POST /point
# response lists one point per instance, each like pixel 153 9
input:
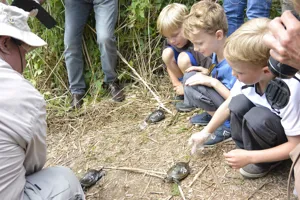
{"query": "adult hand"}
pixel 284 39
pixel 197 140
pixel 203 70
pixel 237 158
pixel 199 79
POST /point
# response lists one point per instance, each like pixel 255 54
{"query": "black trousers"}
pixel 254 128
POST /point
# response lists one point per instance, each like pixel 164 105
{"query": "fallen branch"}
pixel 197 176
pixel 144 82
pixel 138 170
pixel 251 195
pixel 216 178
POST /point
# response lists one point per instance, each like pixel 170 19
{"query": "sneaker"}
pixel 201 119
pixel 256 171
pixel 222 134
pixel 182 107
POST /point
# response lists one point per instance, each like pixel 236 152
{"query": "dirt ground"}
pixel 108 134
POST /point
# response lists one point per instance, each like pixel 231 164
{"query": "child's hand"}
pixel 197 140
pixel 179 89
pixel 199 69
pixel 237 158
pixel 199 79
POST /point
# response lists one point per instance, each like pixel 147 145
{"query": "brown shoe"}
pixel 116 91
pixel 77 101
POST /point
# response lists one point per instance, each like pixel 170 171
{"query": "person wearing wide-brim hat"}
pixel 23 121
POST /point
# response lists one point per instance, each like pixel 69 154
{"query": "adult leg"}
pixel 106 13
pixel 76 14
pixel 56 183
pixel 234 10
pixel 258 8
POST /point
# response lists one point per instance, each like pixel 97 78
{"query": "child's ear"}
pixel 219 34
pixel 266 70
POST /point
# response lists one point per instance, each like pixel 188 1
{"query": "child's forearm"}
pixel 278 153
pixel 219 117
pixel 220 88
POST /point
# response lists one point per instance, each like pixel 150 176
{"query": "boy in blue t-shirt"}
pixel 206 27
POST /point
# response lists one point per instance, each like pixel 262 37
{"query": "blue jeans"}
pixel 234 10
pixel 76 15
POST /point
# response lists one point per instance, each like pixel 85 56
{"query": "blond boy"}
pixel 206 27
pixel 263 135
pixel 178 53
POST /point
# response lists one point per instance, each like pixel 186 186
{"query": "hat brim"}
pixel 25 36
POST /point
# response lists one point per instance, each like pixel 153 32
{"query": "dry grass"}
pixel 108 134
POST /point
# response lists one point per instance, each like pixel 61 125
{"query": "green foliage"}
pixel 137 40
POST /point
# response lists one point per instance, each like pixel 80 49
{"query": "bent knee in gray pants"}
pixel 57 183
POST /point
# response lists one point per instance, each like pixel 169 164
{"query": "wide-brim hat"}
pixel 13 23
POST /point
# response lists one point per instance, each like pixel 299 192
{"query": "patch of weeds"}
pixel 175 190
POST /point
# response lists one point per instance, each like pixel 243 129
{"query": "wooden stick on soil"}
pixel 262 185
pixel 197 176
pixel 138 170
pixel 216 178
pixel 144 82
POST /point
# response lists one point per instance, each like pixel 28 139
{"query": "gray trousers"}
pixel 55 183
pixel 254 128
pixel 76 16
pixel 201 96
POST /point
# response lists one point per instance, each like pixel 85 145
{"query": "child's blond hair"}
pixel 246 43
pixel 171 18
pixel 206 15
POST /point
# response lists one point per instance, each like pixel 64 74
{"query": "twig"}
pixel 153 140
pixel 216 178
pixel 138 170
pixel 181 192
pixel 146 188
pixel 144 82
pixel 197 176
pixel 156 192
pixel 169 197
pixel 263 184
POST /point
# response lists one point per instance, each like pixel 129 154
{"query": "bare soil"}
pixel 108 134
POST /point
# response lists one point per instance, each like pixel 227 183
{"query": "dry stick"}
pixel 170 197
pixel 146 188
pixel 181 192
pixel 144 82
pixel 216 178
pixel 197 176
pixel 263 184
pixel 137 170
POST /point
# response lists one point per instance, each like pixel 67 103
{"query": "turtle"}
pixel 155 116
pixel 178 172
pixel 91 177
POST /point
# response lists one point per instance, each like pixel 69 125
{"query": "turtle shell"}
pixel 91 177
pixel 156 116
pixel 178 172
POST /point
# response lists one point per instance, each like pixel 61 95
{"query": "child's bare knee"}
pixel 167 55
pixel 184 61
